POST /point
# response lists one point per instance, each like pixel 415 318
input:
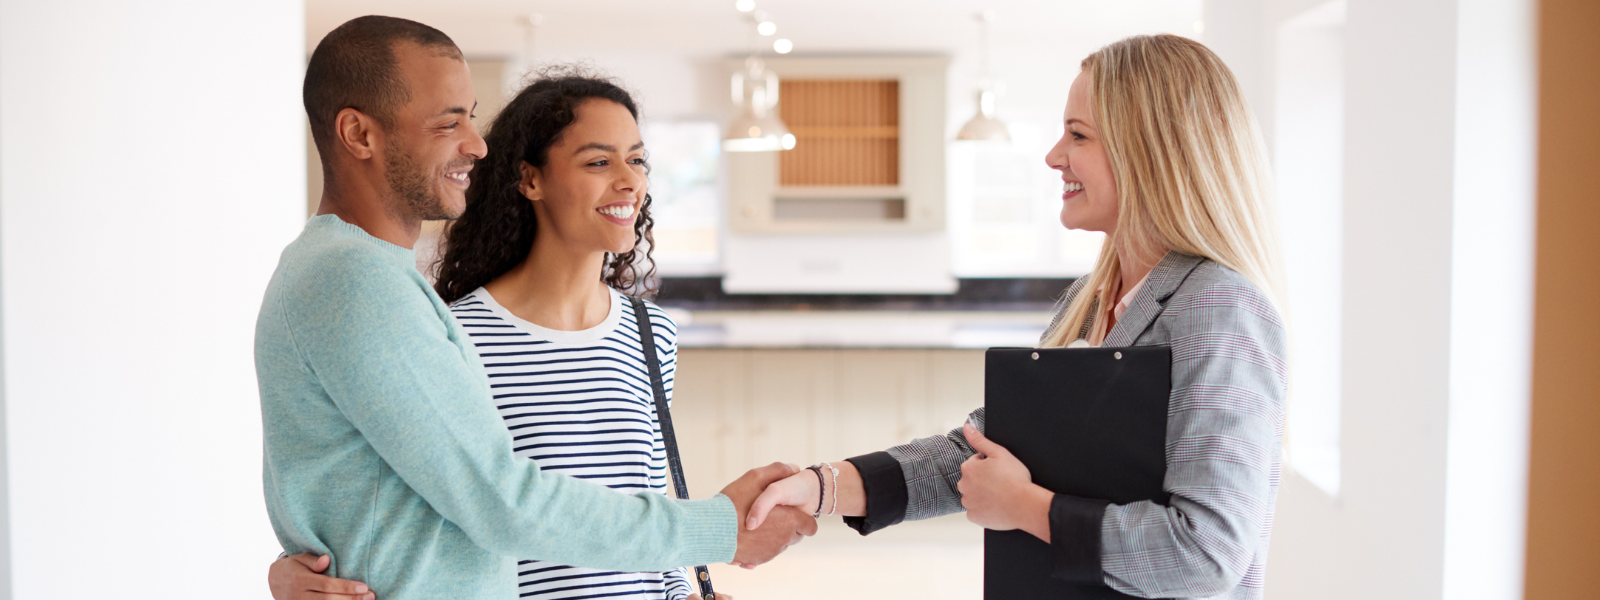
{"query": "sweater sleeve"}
pixel 386 356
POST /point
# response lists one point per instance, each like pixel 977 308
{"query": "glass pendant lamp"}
pixel 984 125
pixel 757 128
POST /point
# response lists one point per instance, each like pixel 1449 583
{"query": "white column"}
pixel 152 167
pixel 1491 302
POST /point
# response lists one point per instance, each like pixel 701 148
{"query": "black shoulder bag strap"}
pixel 647 341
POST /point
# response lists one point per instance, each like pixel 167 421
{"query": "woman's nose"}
pixel 630 181
pixel 1056 158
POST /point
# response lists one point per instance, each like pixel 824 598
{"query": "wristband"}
pixel 821 488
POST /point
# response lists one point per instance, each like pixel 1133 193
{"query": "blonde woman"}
pixel 1161 154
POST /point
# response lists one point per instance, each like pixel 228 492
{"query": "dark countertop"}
pixel 1030 294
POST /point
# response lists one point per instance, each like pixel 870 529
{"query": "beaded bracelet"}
pixel 832 508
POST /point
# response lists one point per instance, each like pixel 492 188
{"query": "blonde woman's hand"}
pixel 998 491
pixel 798 490
pixel 300 577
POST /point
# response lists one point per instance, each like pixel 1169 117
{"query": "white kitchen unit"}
pixel 735 409
pixel 739 408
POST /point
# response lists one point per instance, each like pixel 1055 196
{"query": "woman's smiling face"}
pixel 589 192
pixel 1089 193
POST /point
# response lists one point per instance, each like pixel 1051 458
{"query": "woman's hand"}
pixel 798 490
pixel 998 491
pixel 299 577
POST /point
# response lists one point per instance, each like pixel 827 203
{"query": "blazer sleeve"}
pixel 918 480
pixel 913 481
pixel 1224 428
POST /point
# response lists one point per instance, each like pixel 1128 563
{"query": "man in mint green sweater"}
pixel 383 448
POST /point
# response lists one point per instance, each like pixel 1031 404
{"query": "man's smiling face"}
pixel 431 145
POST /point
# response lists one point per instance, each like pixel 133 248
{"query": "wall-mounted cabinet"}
pixel 868 155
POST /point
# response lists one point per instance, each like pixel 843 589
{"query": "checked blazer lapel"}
pixel 1163 281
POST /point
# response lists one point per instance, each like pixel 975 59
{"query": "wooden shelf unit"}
pixel 847 132
pixel 869 140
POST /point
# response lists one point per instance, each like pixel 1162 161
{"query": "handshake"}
pixel 777 504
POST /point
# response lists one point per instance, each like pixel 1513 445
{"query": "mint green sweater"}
pixel 384 449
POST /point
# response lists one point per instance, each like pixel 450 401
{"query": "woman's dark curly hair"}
pixel 496 231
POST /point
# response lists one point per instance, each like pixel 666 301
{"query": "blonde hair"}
pixel 1189 164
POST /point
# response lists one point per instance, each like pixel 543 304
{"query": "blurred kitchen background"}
pixel 851 203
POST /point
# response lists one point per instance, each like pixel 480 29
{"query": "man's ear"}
pixel 532 186
pixel 356 132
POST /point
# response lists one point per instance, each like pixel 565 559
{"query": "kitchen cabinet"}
pixel 738 408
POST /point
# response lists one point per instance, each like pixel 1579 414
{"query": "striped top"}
pixel 579 403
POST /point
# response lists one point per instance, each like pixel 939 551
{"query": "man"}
pixel 383 448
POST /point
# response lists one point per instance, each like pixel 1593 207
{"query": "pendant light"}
pixel 757 128
pixel 526 60
pixel 984 125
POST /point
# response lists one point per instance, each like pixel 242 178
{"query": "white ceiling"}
pixel 713 27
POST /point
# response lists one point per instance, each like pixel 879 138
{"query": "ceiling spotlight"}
pixel 745 5
pixel 782 46
pixel 767 28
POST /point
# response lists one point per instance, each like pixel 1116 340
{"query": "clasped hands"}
pixel 996 490
pixel 759 542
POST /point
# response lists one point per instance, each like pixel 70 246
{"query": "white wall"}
pixel 1436 260
pixel 151 169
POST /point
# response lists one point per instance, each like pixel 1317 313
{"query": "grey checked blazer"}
pixel 1224 432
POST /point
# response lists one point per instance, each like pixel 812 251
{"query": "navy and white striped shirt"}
pixel 580 403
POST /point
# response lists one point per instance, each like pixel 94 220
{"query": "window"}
pixel 1309 160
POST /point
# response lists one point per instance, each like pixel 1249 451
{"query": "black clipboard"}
pixel 1090 422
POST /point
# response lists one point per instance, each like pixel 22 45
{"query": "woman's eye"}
pixel 1078 136
pixel 637 161
pixel 600 163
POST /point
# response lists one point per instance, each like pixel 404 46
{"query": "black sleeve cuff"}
pixel 884 485
pixel 1075 539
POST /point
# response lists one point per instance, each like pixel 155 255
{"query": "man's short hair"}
pixel 355 66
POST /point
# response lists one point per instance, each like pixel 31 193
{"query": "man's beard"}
pixel 408 180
